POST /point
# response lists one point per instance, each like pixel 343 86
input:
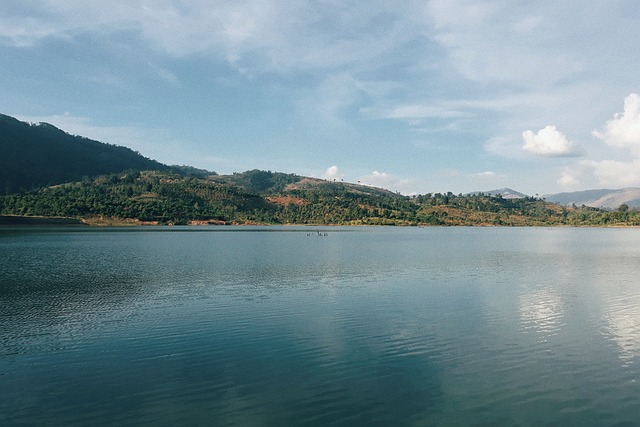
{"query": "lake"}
pixel 284 326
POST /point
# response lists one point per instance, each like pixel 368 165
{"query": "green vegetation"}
pixel 49 176
pixel 258 181
pixel 153 196
pixel 258 197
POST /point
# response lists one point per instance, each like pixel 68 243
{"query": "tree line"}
pixel 165 197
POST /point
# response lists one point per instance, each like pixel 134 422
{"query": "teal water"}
pixel 253 326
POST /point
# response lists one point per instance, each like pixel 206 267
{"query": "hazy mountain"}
pixel 608 199
pixel 506 193
pixel 34 155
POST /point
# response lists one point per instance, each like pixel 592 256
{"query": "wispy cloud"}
pixel 417 112
pixel 326 106
pixel 615 173
pixel 164 73
pixel 509 41
pixel 569 178
pixel 475 72
pixel 388 181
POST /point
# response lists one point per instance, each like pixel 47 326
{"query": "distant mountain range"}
pixel 603 198
pixel 607 199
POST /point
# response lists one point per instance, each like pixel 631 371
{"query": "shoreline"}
pixel 98 222
pixel 39 221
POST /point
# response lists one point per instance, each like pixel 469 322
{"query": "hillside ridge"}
pixel 137 190
pixel 36 155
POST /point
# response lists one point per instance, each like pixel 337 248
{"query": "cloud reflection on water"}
pixel 542 311
pixel 622 318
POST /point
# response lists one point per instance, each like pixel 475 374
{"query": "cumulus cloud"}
pixel 624 129
pixel 548 142
pixel 333 173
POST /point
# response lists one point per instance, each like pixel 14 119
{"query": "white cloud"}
pixel 495 41
pixel 502 146
pixel 479 67
pixel 615 173
pixel 387 181
pixel 569 178
pixel 412 112
pixel 624 129
pixel 325 107
pixel 333 173
pixel 254 36
pixel 547 142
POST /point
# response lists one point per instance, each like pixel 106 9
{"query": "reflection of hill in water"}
pixel 57 283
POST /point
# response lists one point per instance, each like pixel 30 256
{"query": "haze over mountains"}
pixel 603 198
pixel 36 155
pixel 507 193
pixel 607 199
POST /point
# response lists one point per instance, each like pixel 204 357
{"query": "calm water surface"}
pixel 364 326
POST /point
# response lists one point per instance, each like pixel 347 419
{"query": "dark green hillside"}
pixel 35 155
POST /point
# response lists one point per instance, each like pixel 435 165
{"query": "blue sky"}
pixel 413 96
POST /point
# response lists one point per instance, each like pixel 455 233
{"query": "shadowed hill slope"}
pixel 35 155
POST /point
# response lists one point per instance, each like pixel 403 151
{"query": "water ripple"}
pixel 371 327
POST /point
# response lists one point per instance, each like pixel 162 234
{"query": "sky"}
pixel 413 96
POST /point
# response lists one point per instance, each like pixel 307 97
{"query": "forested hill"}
pixel 48 173
pixel 157 197
pixel 36 155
